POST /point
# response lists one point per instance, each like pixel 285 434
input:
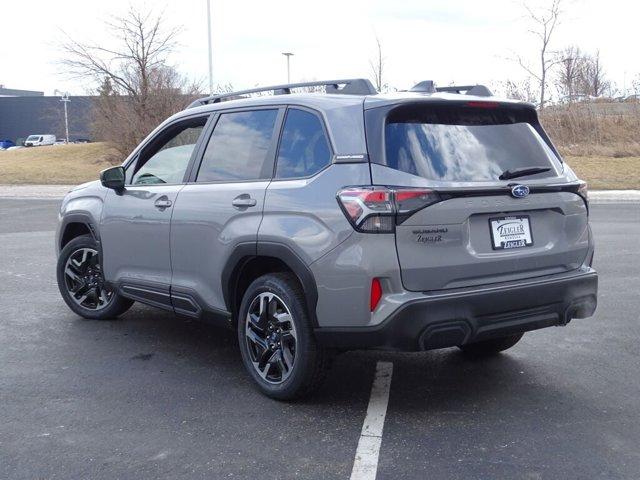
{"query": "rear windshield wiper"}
pixel 522 172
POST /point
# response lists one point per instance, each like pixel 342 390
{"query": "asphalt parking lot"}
pixel 155 396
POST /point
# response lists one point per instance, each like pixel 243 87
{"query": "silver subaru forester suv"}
pixel 315 223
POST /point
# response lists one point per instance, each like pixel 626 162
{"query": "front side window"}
pixel 464 144
pixel 165 161
pixel 304 148
pixel 239 146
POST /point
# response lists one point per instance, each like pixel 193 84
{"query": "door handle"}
pixel 162 203
pixel 244 201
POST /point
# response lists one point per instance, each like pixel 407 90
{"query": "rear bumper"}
pixel 459 317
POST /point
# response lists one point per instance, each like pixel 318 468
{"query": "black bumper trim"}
pixel 453 319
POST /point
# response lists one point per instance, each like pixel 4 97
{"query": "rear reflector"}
pixel 376 293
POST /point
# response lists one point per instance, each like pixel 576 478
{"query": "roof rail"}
pixel 478 90
pixel 350 86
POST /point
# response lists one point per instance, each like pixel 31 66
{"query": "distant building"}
pixel 12 92
pixel 33 113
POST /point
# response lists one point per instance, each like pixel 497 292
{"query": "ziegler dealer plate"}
pixel 510 232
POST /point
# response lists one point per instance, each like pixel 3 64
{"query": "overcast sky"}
pixel 462 41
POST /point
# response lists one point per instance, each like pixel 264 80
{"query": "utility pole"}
pixel 288 55
pixel 64 98
pixel 210 52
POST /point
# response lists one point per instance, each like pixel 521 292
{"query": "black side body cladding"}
pixel 246 252
pixel 242 253
pixel 187 302
pixel 78 218
pixel 284 253
pixel 184 302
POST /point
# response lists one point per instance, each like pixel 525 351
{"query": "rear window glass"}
pixel 304 149
pixel 464 144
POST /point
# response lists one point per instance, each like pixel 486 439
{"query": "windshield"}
pixel 33 137
pixel 464 144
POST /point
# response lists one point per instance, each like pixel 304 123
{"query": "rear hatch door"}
pixel 485 229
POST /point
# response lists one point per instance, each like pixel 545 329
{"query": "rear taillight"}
pixel 369 209
pixel 410 200
pixel 376 209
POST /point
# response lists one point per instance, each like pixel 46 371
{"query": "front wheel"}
pixel 490 347
pixel 81 281
pixel 276 338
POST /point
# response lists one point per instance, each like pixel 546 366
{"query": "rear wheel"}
pixel 276 338
pixel 81 281
pixel 490 347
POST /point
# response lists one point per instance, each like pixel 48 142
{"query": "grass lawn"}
pixel 74 164
pixel 60 164
pixel 607 173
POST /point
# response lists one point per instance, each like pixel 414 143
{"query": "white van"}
pixel 39 140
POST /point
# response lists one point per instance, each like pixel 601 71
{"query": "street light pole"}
pixel 288 55
pixel 65 99
pixel 210 53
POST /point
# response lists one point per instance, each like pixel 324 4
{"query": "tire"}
pixel 494 346
pixel 79 276
pixel 276 341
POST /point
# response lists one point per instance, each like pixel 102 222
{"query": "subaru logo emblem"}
pixel 520 191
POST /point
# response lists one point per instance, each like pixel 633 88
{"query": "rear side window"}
pixel 304 148
pixel 238 147
pixel 464 144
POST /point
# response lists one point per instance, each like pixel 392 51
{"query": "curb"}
pixel 614 196
pixel 34 192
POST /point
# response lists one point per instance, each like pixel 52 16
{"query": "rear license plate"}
pixel 510 232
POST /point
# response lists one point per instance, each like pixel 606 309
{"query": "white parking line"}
pixel 365 465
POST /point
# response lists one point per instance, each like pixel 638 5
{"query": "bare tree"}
pixel 139 88
pixel 543 25
pixel 635 84
pixel 522 91
pixel 593 79
pixel 377 67
pixel 571 64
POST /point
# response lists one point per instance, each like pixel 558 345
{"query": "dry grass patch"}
pixel 594 129
pixel 607 173
pixel 60 164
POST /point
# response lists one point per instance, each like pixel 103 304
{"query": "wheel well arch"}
pixel 248 263
pixel 73 229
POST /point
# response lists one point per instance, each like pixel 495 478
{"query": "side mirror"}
pixel 113 178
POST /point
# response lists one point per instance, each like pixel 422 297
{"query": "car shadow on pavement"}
pixel 147 338
pixel 447 379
